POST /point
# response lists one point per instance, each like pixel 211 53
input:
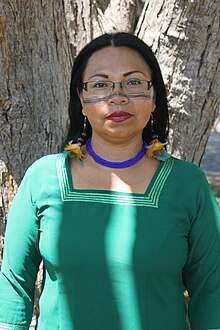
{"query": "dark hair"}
pixel 161 122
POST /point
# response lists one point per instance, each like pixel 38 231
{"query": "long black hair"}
pixel 161 121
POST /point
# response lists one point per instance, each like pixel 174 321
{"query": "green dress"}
pixel 112 260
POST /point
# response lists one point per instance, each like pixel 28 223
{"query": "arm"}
pixel 202 271
pixel 21 260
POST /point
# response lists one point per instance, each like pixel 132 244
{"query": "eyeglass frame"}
pixel 84 84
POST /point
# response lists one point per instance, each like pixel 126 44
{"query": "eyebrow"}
pixel 99 75
pixel 131 72
pixel 106 76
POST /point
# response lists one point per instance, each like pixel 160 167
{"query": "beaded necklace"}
pixel 126 163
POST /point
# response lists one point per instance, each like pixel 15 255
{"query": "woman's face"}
pixel 117 116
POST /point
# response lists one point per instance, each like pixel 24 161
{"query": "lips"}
pixel 119 116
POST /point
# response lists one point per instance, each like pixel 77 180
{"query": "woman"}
pixel 123 229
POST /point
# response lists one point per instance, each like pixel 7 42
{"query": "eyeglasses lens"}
pixel 100 89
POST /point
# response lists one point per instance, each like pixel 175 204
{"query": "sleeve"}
pixel 202 271
pixel 21 259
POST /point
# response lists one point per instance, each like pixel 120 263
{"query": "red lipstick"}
pixel 119 116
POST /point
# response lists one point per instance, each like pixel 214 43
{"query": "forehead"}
pixel 116 60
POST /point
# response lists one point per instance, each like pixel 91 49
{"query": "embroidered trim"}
pixel 5 326
pixel 112 197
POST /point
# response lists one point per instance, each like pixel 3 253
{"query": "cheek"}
pixel 94 113
pixel 91 108
pixel 143 110
pixel 144 118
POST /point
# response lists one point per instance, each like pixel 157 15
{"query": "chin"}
pixel 120 135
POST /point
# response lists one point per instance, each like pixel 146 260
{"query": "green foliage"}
pixel 216 191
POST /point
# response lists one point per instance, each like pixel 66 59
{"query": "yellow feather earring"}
pixel 74 149
pixel 156 149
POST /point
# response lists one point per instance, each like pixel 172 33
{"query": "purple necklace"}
pixel 124 164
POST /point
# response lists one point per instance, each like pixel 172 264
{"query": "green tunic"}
pixel 112 261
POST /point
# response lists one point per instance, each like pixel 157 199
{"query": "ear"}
pixel 81 101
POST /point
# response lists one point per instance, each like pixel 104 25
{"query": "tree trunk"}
pixel 35 65
pixel 88 19
pixel 185 38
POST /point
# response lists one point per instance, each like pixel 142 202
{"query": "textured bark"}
pixel 35 64
pixel 89 18
pixel 185 38
pixel 8 187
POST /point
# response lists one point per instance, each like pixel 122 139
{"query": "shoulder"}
pixel 186 177
pixel 40 179
pixel 188 184
pixel 41 176
pixel 45 164
pixel 186 169
pixel 43 169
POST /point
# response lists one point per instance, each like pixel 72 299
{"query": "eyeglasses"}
pixel 104 88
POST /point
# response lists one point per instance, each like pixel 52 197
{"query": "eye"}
pixel 100 84
pixel 133 82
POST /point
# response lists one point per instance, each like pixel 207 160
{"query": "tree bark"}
pixel 35 65
pixel 185 38
pixel 89 18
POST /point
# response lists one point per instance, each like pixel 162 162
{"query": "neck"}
pixel 116 164
pixel 116 151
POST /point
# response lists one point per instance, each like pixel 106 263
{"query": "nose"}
pixel 118 96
